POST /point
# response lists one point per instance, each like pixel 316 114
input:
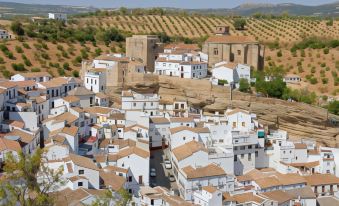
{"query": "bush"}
pixel 61 71
pixel 18 49
pixel 18 67
pixel 17 28
pixel 7 74
pixel 324 80
pixel 45 56
pixel 35 69
pixel 333 107
pixel 313 80
pixel 279 53
pixel 75 73
pixel 326 50
pixel 25 45
pixel 2 60
pixel 244 85
pixel 78 59
pixel 65 66
pixel 27 62
pixel 300 95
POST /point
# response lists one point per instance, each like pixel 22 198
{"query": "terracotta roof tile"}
pixel 188 149
pixel 206 171
pixel 83 161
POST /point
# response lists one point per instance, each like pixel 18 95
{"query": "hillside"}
pixel 318 69
pixel 11 9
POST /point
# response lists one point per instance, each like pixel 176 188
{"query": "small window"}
pixel 242 156
pixel 80 184
pixel 215 51
pixel 239 52
pixel 81 172
pixel 243 124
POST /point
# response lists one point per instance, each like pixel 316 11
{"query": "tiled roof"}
pixel 6 144
pixel 248 197
pixel 112 180
pixel 71 99
pixel 206 171
pixel 209 189
pixel 98 110
pixel 192 129
pixel 159 120
pixel 321 179
pixel 83 161
pixel 181 119
pixel 188 149
pixel 72 131
pixel 24 136
pixel 278 195
pixel 80 91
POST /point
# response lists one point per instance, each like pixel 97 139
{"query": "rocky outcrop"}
pixel 300 120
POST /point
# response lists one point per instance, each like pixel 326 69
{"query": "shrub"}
pixel 244 85
pixel 7 74
pixel 279 53
pixel 324 80
pixel 45 56
pixel 66 66
pixel 18 67
pixel 61 71
pixel 78 59
pixel 333 107
pixel 18 49
pixel 17 28
pixel 27 62
pixel 2 60
pixel 25 45
pixel 326 50
pixel 35 69
pixel 313 80
pixel 75 73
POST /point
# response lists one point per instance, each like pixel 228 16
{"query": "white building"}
pixel 147 102
pixel 230 73
pixel 191 179
pixel 4 34
pixel 208 196
pixel 95 81
pixel 58 16
pixel 181 69
pixel 35 76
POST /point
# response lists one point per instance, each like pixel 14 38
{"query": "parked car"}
pixel 153 173
pixel 171 178
pixel 168 164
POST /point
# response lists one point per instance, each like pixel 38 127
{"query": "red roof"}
pixel 92 139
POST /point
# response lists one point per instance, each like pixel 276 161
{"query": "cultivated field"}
pixel 283 30
pixel 319 70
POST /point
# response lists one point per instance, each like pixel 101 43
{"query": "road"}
pixel 157 162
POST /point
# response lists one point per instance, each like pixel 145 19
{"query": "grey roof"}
pixel 80 91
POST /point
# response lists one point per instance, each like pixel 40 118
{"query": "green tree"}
pixel 17 28
pixel 333 107
pixel 27 180
pixel 75 73
pixel 239 23
pixel 244 86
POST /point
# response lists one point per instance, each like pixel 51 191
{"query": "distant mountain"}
pixel 9 9
pixel 331 9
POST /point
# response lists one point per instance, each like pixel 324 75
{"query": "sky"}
pixel 166 3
